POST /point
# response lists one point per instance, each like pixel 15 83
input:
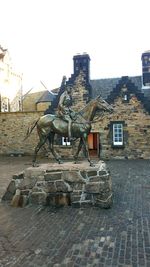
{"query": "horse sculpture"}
pixel 49 125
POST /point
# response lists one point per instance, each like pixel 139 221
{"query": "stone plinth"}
pixel 66 184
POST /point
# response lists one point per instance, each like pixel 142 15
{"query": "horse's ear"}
pixel 99 97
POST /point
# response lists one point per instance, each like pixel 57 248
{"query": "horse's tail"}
pixel 30 129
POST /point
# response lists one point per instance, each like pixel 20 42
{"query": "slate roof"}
pixel 34 96
pixel 104 87
pixel 47 96
pixel 109 89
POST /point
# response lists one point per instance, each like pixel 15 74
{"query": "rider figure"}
pixel 64 109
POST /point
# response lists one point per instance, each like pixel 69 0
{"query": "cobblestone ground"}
pixel 44 237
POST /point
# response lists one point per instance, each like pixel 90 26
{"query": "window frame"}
pixel 117 134
pixel 64 142
pixel 117 144
pixel 125 97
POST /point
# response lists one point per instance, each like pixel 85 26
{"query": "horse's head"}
pixel 103 105
pixel 88 112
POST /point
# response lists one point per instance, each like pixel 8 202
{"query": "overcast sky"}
pixel 42 37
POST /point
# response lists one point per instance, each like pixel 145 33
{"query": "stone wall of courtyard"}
pixel 13 128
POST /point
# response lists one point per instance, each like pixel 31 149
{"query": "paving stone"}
pixel 41 236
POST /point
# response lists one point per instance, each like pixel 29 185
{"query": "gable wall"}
pixel 136 130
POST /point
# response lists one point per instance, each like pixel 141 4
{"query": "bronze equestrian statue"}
pixel 49 125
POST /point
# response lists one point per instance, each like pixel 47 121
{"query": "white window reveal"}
pixel 117 134
pixel 65 141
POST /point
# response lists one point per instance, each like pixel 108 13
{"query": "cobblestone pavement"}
pixel 37 236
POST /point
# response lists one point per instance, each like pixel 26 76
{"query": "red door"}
pixel 93 142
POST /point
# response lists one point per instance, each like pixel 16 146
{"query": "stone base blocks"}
pixel 78 185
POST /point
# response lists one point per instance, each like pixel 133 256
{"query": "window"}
pixel 4 104
pixel 125 97
pixel 19 105
pixel 65 141
pixel 125 94
pixel 4 107
pixel 117 134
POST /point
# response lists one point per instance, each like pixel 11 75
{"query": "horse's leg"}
pixel 51 147
pixel 37 148
pixel 78 150
pixel 85 142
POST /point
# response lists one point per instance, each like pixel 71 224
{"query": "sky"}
pixel 42 37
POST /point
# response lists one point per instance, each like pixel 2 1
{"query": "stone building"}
pixel 10 84
pixel 123 134
pixel 126 132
